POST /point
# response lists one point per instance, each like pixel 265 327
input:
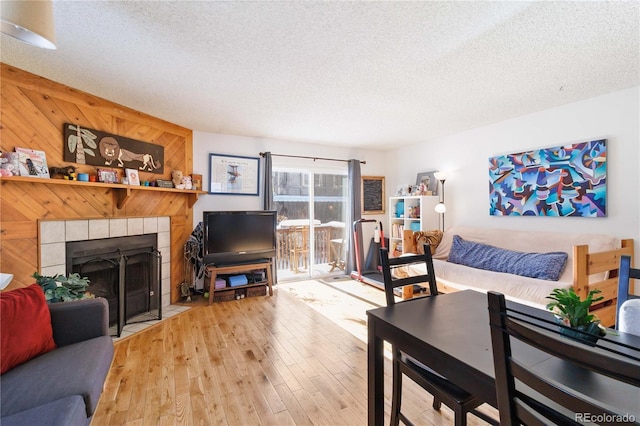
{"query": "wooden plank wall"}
pixel 33 112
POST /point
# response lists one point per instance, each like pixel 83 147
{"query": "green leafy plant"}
pixel 59 288
pixel 572 311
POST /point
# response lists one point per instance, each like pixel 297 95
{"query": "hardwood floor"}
pixel 257 361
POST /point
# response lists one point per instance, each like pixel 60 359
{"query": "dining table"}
pixel 450 333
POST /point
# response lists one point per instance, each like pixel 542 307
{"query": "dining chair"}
pixel 628 305
pixel 529 396
pixel 396 274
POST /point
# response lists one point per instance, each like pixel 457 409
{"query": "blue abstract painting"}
pixel 568 180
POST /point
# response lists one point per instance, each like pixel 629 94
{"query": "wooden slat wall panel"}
pixel 46 107
pixel 32 115
pixel 171 153
pixel 21 254
pixel 18 203
pixel 19 230
pixel 180 232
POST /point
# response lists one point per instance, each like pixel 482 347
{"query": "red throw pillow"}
pixel 25 326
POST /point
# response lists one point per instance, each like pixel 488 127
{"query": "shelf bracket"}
pixel 191 200
pixel 123 196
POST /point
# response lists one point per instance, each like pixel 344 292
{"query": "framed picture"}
pixel 107 176
pixel 430 182
pixel 32 162
pixel 132 176
pixel 373 194
pixel 10 162
pixel 196 181
pixel 565 180
pixel 233 174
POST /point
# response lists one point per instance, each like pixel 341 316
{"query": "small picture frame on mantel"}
pixel 107 176
pixel 132 176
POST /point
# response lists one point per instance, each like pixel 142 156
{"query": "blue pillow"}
pixel 546 266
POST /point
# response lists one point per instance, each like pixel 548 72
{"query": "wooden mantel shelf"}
pixel 124 193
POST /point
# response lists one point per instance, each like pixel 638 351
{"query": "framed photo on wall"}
pixel 233 174
pixel 373 198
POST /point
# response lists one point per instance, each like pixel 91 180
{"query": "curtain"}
pixel 354 182
pixel 267 181
pixel 267 200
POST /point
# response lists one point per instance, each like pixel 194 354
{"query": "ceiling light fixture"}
pixel 30 21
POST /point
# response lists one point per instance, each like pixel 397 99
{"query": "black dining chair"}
pixel 396 275
pixel 532 397
pixel 625 274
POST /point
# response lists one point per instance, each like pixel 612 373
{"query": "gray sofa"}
pixel 62 387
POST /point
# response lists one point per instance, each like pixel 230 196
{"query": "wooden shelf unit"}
pixel 214 271
pixel 416 213
pixel 123 193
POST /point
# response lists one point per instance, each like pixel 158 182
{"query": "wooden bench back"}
pixel 586 264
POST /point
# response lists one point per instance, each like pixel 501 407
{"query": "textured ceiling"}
pixel 362 74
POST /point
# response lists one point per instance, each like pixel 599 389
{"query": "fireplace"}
pixel 124 270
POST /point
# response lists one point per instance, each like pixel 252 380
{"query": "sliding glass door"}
pixel 312 233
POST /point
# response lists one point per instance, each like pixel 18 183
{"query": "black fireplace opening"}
pixel 123 270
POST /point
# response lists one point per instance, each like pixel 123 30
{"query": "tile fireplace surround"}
pixel 53 235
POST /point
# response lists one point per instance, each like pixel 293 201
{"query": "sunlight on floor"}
pixel 343 301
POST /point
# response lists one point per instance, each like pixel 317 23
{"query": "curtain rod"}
pixel 310 158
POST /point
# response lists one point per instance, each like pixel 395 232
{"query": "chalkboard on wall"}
pixel 373 194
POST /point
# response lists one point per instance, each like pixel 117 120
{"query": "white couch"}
pixel 580 271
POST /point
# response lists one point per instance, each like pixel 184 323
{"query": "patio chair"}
pixel 337 247
pixel 299 247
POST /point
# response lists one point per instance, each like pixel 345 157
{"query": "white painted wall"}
pixel 206 143
pixel 464 156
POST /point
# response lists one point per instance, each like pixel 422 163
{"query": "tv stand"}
pixel 214 270
pixel 239 263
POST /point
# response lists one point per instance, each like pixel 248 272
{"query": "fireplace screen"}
pixel 125 271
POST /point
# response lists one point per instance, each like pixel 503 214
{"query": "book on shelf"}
pixel 396 230
pixel 32 162
pixel 396 249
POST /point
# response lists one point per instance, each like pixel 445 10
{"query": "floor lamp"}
pixel 440 207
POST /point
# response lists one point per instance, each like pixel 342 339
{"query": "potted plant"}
pixel 573 314
pixel 59 288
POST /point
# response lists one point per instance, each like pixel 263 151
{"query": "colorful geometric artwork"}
pixel 568 180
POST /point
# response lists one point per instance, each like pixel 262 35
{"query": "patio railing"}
pixel 293 246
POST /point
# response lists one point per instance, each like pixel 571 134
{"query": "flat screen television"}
pixel 238 236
